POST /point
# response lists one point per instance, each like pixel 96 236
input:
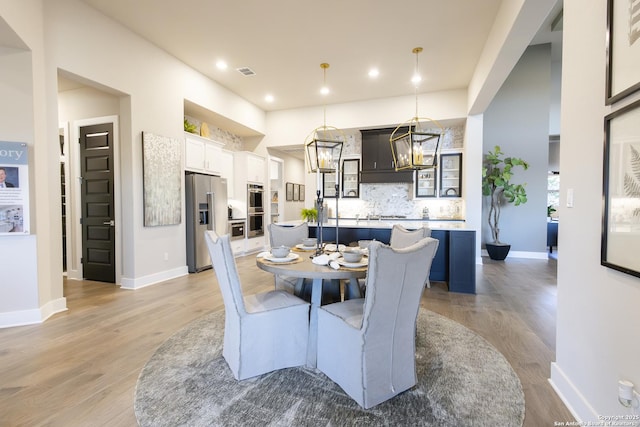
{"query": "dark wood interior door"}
pixel 98 220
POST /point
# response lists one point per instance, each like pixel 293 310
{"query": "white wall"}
pixel 518 121
pixel 32 277
pixel 597 341
pixel 87 44
pixel 152 87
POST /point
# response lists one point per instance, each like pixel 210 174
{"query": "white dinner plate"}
pixel 288 258
pixel 331 247
pixel 305 248
pixel 363 263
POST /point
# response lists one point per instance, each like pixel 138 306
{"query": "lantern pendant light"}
pixel 415 143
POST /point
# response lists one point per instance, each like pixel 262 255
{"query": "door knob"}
pixel 112 223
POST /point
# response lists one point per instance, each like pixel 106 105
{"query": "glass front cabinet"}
pixel 350 181
pixel 351 178
pixel 329 185
pixel 426 183
pixel 445 181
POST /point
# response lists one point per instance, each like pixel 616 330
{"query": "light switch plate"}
pixel 570 198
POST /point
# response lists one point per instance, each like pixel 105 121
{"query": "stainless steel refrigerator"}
pixel 206 209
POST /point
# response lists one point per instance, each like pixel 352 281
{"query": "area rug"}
pixel 462 381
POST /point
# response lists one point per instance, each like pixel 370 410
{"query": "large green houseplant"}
pixel 496 183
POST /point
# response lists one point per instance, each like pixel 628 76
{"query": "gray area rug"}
pixel 462 381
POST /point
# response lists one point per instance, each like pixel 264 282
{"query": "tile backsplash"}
pixel 395 199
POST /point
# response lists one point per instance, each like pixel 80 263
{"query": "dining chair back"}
pixel 401 238
pixel 281 235
pixel 368 346
pixel 262 332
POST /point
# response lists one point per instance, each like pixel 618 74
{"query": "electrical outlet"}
pixel 166 256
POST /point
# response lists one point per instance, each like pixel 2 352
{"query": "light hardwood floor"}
pixel 80 367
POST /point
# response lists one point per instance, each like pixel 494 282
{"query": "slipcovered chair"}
pixel 280 235
pixel 367 346
pixel 401 238
pixel 262 332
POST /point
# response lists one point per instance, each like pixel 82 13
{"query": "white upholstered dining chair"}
pixel 262 332
pixel 282 235
pixel 290 236
pixel 367 346
pixel 402 238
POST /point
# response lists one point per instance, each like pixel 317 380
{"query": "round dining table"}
pixel 303 268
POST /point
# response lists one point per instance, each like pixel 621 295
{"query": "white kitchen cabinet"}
pixel 226 171
pixel 249 167
pixel 202 154
pixel 255 244
pixel 238 247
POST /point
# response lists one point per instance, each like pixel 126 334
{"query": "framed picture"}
pixel 161 180
pixel 301 193
pixel 623 49
pixel 296 192
pixel 289 191
pixel 621 191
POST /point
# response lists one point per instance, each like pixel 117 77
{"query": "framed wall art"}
pixel 161 180
pixel 289 191
pixel 301 198
pixel 296 192
pixel 621 191
pixel 623 49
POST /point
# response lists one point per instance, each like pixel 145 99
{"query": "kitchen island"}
pixel 454 262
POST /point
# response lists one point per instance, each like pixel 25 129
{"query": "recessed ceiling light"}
pixel 222 65
pixel 324 90
pixel 269 98
pixel 373 73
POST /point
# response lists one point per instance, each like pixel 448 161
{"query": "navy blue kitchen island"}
pixel 454 262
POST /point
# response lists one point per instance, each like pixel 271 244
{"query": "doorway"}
pixel 97 202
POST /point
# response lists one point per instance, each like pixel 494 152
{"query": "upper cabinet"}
pixel 329 185
pixel 350 185
pixel 202 154
pixel 451 175
pixel 447 176
pixel 377 159
pixel 226 171
pixel 351 178
pixel 251 165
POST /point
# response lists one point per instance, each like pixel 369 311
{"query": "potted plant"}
pixel 496 183
pixel 309 215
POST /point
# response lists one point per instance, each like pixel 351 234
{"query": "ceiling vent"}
pixel 246 71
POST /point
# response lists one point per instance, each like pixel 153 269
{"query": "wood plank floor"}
pixel 80 367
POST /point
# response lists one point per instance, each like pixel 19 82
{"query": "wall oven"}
pixel 255 210
pixel 256 224
pixel 255 198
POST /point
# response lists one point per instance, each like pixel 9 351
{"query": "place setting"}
pixel 280 255
pixel 308 245
pixel 342 256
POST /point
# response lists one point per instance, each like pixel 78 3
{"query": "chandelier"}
pixel 324 143
pixel 324 150
pixel 415 143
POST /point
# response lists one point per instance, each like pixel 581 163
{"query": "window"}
pixel 553 192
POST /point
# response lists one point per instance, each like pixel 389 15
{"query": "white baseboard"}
pixel 36 315
pixel 522 254
pixel 153 279
pixel 571 396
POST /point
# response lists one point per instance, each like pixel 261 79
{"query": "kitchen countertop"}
pixel 389 222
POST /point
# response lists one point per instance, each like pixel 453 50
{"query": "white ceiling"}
pixel 284 42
